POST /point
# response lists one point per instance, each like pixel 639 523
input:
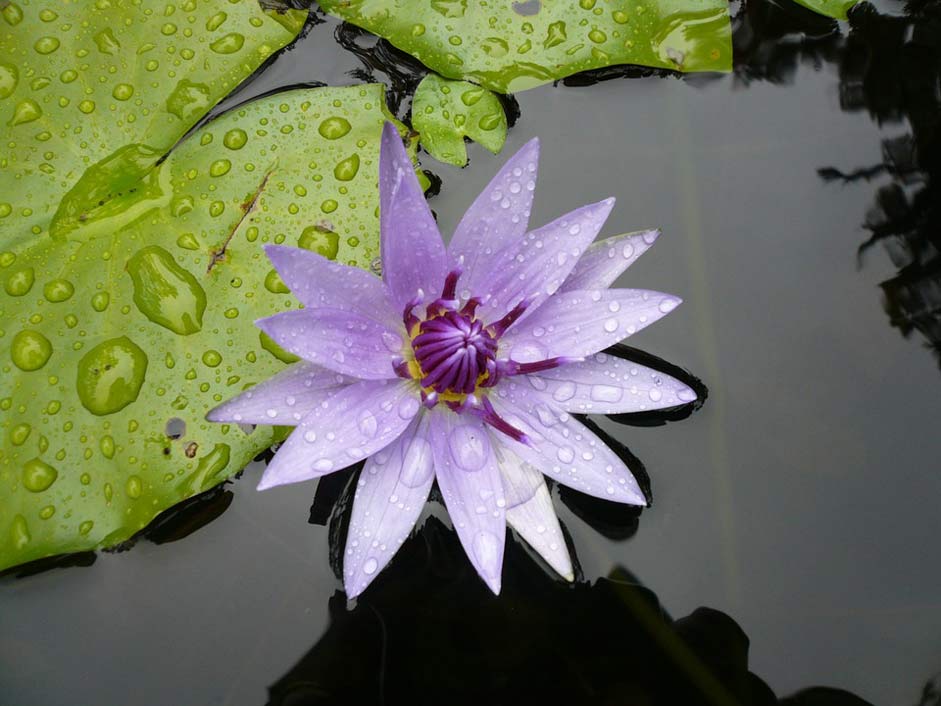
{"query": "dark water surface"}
pixel 802 500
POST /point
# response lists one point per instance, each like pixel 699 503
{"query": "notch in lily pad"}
pixel 445 112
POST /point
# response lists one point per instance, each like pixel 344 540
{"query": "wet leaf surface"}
pixel 509 47
pixel 445 112
pixel 121 339
pixel 128 311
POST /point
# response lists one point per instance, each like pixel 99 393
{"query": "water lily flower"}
pixel 462 365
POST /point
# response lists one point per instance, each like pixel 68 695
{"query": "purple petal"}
pixel 537 264
pixel 319 283
pixel 606 384
pixel 391 493
pixel 356 422
pixel 606 259
pixel 469 478
pixel 413 254
pixel 283 399
pixel 529 511
pixel 583 322
pixel 498 217
pixel 342 341
pixel 563 448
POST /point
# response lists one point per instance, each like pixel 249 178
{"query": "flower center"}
pixel 454 355
pixel 454 352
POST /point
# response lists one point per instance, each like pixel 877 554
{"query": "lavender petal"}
pixel 392 490
pixel 469 478
pixel 341 341
pixel 413 255
pixel 320 283
pixel 582 322
pixel 606 259
pixel 529 511
pixel 283 399
pixel 535 266
pixel 606 384
pixel 563 448
pixel 356 422
pixel 498 218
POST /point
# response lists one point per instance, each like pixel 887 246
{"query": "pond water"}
pixel 801 500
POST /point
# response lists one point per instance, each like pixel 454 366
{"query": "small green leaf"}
pixel 512 46
pixel 837 9
pixel 444 112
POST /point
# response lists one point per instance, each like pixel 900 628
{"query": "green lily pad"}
pixel 106 88
pixel 116 342
pixel 837 9
pixel 512 46
pixel 444 112
pixel 131 270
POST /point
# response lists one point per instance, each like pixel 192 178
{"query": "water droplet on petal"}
pixel 469 446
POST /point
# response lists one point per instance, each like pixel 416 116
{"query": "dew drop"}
pixel 469 447
pixel 20 282
pixel 58 290
pixel 164 292
pixel 38 475
pixel 235 139
pixel 30 350
pixel 229 44
pixel 123 92
pixel 9 77
pixel 334 128
pixel 110 375
pixel 417 463
pixel 668 305
pixel 321 241
pixel 46 45
pixel 606 393
pixel 368 426
pixel 212 358
pixel 134 487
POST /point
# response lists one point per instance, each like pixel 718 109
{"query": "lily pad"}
pixel 116 342
pixel 104 89
pixel 444 112
pixel 513 46
pixel 129 279
pixel 837 9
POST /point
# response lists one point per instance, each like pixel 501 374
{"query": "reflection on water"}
pixel 890 67
pixel 427 628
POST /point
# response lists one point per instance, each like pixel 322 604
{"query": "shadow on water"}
pixel 430 627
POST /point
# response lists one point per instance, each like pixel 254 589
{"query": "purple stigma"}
pixel 453 350
pixel 457 353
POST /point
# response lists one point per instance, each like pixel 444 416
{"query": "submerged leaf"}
pixel 512 46
pixel 444 112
